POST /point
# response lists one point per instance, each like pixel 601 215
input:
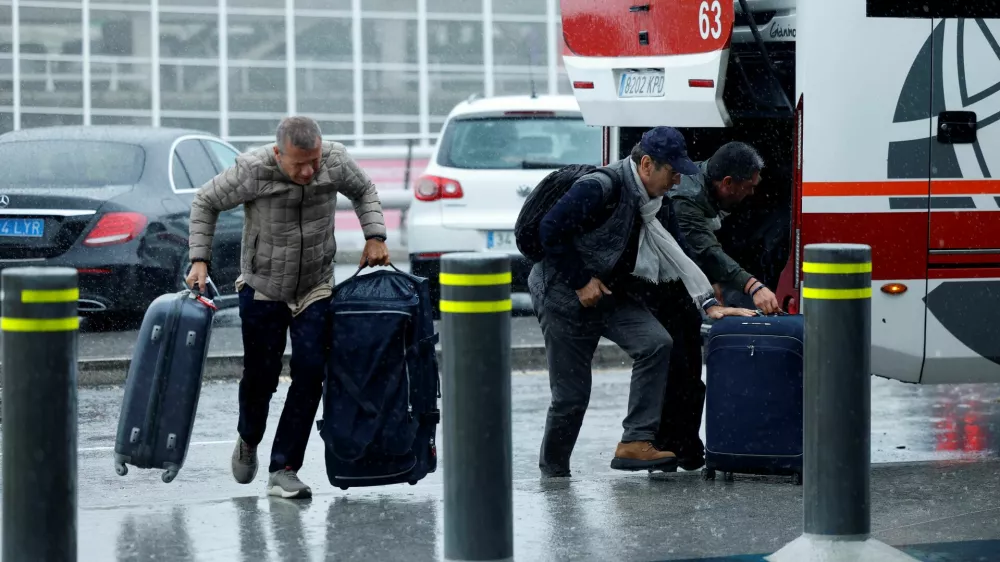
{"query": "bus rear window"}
pixel 506 143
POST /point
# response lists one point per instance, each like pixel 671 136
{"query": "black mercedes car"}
pixel 113 202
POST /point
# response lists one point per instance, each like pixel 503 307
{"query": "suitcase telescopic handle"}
pixel 779 313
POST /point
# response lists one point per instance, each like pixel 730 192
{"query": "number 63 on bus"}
pixel 710 25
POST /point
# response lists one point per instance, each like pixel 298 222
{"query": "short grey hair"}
pixel 736 159
pixel 300 132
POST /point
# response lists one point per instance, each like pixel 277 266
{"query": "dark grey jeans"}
pixel 570 343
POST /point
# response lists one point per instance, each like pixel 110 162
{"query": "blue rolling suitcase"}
pixel 753 404
pixel 380 398
pixel 164 384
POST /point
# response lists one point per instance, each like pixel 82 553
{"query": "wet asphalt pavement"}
pixel 599 514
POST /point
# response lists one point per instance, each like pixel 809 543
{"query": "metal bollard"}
pixel 476 407
pixel 39 325
pixel 836 294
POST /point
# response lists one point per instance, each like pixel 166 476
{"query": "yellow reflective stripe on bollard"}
pixel 474 279
pixel 39 324
pixel 476 307
pixel 41 296
pixel 836 268
pixel 836 294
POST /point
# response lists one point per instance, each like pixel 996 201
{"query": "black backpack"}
pixel 550 190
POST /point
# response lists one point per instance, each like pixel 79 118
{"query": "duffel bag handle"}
pixel 392 265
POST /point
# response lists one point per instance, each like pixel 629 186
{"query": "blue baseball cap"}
pixel 667 144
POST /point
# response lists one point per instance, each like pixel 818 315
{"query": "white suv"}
pixel 491 153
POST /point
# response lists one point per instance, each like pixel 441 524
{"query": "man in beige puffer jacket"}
pixel 289 193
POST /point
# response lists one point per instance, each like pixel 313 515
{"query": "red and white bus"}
pixel 874 119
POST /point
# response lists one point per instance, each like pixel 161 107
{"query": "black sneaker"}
pixel 690 456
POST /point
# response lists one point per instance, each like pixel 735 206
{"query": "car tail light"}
pixel 116 228
pixel 699 83
pixel 432 188
pixel 583 85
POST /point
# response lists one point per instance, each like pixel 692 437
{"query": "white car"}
pixel 491 153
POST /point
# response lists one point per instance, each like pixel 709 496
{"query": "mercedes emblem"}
pixel 523 191
pixel 4 200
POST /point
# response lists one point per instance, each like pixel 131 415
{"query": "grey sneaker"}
pixel 285 483
pixel 244 462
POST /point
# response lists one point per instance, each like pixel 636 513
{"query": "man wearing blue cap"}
pixel 602 239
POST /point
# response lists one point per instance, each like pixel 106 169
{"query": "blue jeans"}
pixel 265 330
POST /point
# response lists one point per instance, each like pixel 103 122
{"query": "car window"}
pixel 196 161
pixel 62 163
pixel 500 143
pixel 222 156
pixel 180 175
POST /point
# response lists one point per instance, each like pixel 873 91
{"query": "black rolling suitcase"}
pixel 753 405
pixel 164 384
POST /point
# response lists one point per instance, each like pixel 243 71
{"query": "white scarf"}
pixel 660 257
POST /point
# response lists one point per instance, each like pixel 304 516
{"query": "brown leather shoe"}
pixel 643 455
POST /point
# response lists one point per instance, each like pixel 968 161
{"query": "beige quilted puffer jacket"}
pixel 288 242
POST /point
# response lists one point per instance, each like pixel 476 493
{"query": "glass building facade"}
pixel 372 72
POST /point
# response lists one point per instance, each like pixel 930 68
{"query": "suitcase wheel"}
pixel 797 478
pixel 342 487
pixel 413 482
pixel 169 475
pixel 728 477
pixel 708 474
pixel 121 469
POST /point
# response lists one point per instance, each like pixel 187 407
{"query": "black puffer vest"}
pixel 600 249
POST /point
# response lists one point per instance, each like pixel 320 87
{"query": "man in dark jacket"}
pixel 705 197
pixel 600 239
